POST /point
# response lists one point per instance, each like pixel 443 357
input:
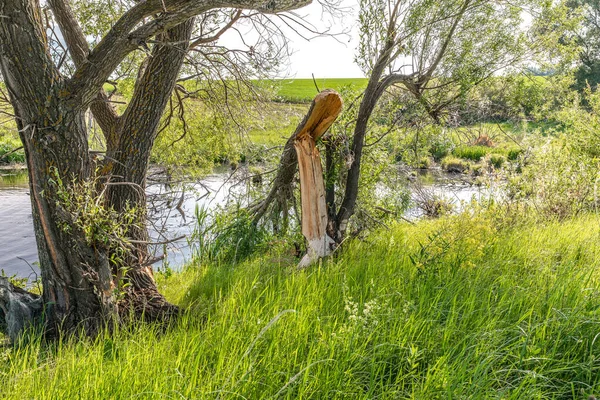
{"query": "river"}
pixel 18 253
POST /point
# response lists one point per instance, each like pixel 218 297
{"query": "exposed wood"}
pixel 326 107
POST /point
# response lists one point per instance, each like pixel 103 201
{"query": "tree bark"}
pixel 19 310
pixel 129 154
pixel 82 287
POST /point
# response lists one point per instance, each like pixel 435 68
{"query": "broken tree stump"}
pixel 19 309
pixel 326 107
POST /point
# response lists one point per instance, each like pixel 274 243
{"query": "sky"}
pixel 323 56
pixel 326 57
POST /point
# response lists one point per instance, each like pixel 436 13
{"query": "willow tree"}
pixel 88 211
pixel 435 51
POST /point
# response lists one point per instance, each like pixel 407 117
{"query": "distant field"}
pixel 304 90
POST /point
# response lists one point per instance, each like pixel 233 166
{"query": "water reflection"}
pixel 13 179
pixel 172 211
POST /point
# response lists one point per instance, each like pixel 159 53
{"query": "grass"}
pixel 304 90
pixel 276 124
pixel 9 143
pixel 461 307
pixel 454 164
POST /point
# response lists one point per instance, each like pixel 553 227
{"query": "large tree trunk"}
pixel 83 288
pixel 83 283
pixel 78 289
pixel 129 154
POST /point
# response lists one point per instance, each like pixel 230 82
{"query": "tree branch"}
pixel 124 37
pixel 217 35
pixel 103 111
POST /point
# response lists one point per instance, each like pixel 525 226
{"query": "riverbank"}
pixel 172 210
pixel 480 305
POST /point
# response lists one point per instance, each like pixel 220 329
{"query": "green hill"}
pixel 304 90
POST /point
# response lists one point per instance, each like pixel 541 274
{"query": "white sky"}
pixel 323 56
pixel 326 57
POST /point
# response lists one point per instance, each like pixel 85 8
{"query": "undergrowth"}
pixel 460 307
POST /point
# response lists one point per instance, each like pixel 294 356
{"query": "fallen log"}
pixel 326 107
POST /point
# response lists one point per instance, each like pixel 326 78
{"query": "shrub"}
pixel 441 146
pixel 473 153
pixel 556 181
pixel 423 163
pixel 9 155
pixel 454 165
pixel 514 153
pixel 497 160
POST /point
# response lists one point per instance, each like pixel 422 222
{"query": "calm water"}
pixel 17 241
pixel 18 252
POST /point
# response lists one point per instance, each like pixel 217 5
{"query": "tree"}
pixel 588 38
pixel 434 50
pixel 89 211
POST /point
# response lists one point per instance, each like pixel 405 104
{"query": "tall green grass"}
pixel 304 90
pixel 462 307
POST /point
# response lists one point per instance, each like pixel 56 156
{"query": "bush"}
pixel 227 236
pixel 454 165
pixel 497 160
pixel 514 153
pixel 473 153
pixel 423 163
pixel 8 154
pixel 441 146
pixel 556 181
pixel 9 142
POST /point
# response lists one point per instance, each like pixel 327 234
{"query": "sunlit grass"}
pixel 462 307
pixel 304 90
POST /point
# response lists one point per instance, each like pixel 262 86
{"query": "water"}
pixel 18 250
pixel 18 253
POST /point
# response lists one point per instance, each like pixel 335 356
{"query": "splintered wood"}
pixel 324 110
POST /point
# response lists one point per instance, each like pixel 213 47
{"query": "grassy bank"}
pixel 462 307
pixel 304 90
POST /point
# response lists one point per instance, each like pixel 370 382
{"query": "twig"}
pixel 315 82
pixel 156 243
pixel 5 155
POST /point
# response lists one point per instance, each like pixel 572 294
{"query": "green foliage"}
pixel 513 153
pixel 227 236
pixel 454 165
pixel 473 153
pixel 274 125
pixel 15 280
pixel 515 97
pixel 587 36
pixel 379 173
pixel 9 141
pixel 412 145
pixel 440 145
pixel 581 123
pixel 497 160
pixel 455 45
pixel 83 209
pixel 206 138
pixel 461 307
pixel 556 180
